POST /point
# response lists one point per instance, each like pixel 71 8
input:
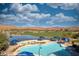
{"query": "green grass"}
pixel 75 41
pixel 50 33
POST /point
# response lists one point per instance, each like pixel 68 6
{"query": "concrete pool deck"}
pixel 13 50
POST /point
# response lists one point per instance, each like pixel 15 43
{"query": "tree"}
pixel 3 42
pixel 75 36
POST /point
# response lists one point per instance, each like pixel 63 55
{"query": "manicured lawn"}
pixel 50 33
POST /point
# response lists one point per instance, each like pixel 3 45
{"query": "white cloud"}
pixel 16 18
pixel 22 13
pixel 7 17
pixel 25 16
pixel 37 15
pixel 65 6
pixel 33 18
pixel 20 8
pixel 65 18
pixel 21 18
pixel 60 18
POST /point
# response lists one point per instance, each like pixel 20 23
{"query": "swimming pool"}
pixel 51 49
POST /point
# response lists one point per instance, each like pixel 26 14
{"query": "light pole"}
pixel 40 39
pixel 39 52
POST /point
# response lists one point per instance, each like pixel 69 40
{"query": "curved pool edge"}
pixel 45 45
pixel 27 45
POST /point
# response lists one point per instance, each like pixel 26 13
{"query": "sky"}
pixel 39 14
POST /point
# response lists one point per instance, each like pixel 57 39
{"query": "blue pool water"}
pixel 14 39
pixel 46 50
pixel 23 37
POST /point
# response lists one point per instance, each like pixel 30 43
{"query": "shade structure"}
pixel 13 42
pixel 65 39
pixel 25 54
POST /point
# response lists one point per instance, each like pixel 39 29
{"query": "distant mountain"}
pixel 43 28
pixel 73 28
pixel 6 27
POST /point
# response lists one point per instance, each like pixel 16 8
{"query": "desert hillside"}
pixel 7 27
pixel 4 27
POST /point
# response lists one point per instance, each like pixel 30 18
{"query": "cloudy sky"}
pixel 40 14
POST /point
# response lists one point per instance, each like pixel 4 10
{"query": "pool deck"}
pixel 13 50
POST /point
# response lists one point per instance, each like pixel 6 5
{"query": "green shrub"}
pixel 3 42
pixel 75 36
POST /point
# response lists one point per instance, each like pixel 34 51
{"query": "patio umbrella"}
pixel 13 42
pixel 25 54
pixel 41 38
pixel 65 39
